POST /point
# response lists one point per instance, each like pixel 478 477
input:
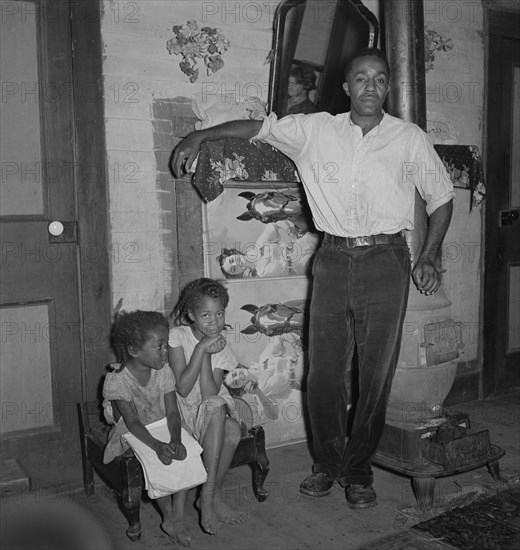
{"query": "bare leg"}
pixel 212 444
pixel 219 444
pixel 173 518
pixel 226 513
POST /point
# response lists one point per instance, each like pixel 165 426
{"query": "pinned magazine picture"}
pixel 259 232
pixel 161 479
pixel 267 325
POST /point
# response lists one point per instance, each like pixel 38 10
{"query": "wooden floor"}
pixel 290 520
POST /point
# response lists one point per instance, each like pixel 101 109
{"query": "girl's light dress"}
pixel 148 402
pixel 193 409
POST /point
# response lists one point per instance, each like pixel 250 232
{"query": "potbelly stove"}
pixel 421 440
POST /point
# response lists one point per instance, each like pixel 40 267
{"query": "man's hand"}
pixel 185 153
pixel 426 276
pixel 427 272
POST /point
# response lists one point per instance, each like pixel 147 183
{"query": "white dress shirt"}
pixel 360 185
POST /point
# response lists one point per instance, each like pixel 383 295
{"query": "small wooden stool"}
pixel 125 475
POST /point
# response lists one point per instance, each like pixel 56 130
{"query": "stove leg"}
pixel 494 470
pixel 424 489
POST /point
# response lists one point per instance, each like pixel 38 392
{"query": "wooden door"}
pixel 42 336
pixel 502 252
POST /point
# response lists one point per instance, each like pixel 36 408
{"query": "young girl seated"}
pixel 198 356
pixel 142 391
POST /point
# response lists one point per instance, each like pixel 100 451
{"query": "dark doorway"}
pixel 502 252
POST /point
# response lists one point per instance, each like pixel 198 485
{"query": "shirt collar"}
pixel 374 130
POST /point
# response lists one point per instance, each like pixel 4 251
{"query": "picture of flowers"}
pixel 193 44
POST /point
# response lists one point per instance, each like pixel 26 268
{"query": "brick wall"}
pixel 155 221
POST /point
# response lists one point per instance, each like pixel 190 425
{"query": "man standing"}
pixel 360 171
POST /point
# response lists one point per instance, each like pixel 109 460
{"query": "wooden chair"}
pixel 125 476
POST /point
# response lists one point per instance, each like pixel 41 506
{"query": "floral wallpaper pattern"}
pixel 434 42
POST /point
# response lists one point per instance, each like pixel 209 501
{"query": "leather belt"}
pixel 367 240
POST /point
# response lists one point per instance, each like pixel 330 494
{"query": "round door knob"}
pixel 56 228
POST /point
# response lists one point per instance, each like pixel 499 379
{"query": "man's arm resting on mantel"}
pixel 188 149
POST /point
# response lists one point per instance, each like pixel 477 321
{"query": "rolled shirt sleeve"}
pixel 429 174
pixel 290 135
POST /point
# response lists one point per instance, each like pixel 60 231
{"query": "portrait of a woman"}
pixel 281 250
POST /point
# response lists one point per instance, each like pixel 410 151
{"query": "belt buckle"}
pixel 362 241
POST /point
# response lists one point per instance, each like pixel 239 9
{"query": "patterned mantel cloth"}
pixel 464 165
pixel 239 159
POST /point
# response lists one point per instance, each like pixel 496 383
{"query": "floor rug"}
pixel 491 523
pixel 406 540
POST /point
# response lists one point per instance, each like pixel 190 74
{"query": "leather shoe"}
pixel 361 496
pixel 317 485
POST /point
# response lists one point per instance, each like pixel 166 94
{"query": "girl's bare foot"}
pixel 209 519
pixel 177 532
pixel 227 514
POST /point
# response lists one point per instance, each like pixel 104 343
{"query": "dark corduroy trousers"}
pixel 359 300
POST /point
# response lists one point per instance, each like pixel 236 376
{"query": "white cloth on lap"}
pixel 161 479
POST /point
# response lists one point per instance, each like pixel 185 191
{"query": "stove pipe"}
pixel 404 32
pixel 431 340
